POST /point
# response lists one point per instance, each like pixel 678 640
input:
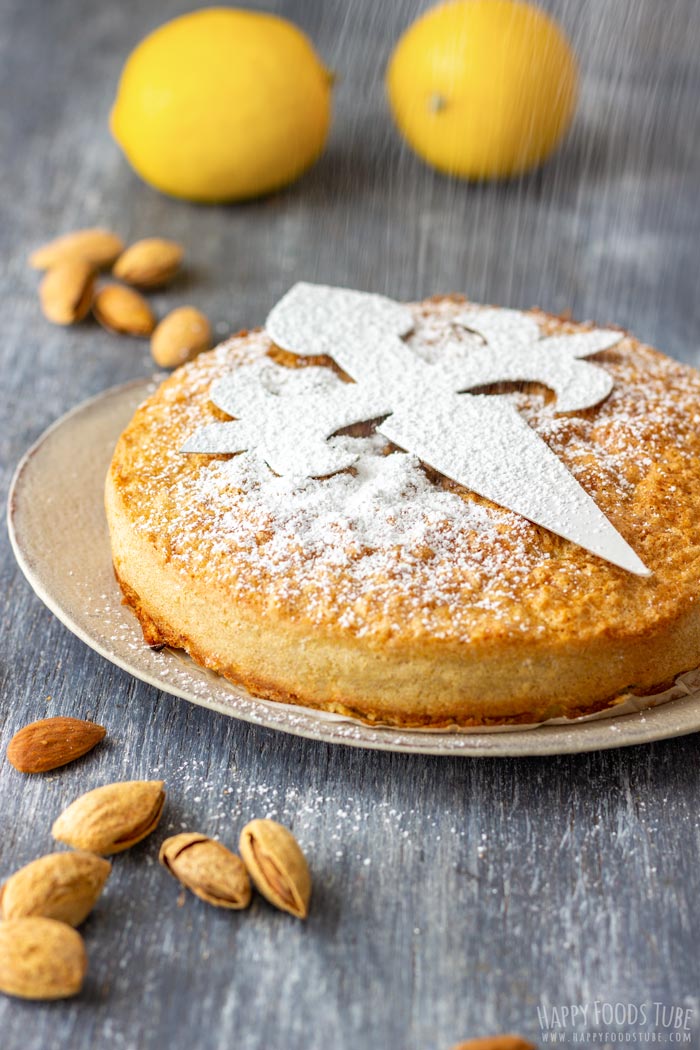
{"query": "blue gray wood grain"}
pixel 451 897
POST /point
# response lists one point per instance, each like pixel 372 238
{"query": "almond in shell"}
pixel 111 818
pixel 277 866
pixel 63 886
pixel 212 872
pixel 41 959
pixel 180 336
pixel 149 263
pixel 66 291
pixel 123 310
pixel 96 246
pixel 52 742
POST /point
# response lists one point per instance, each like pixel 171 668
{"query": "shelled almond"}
pixel 42 957
pixel 52 742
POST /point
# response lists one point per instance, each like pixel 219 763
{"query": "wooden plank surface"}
pixel 451 898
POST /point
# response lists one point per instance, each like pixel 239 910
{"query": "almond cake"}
pixel 390 593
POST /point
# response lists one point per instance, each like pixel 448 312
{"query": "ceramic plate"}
pixel 59 535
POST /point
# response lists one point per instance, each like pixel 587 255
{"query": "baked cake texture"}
pixel 391 594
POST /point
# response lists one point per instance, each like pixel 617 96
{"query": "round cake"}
pixel 387 591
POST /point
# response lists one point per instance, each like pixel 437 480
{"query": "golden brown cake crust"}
pixel 397 596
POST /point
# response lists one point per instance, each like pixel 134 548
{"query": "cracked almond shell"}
pixel 277 866
pixel 212 872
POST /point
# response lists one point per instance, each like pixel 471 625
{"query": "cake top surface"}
pixel 388 548
pixel 431 409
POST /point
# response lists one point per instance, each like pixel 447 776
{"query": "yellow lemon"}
pixel 222 104
pixel 483 88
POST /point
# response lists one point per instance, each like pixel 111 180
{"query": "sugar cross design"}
pixel 480 441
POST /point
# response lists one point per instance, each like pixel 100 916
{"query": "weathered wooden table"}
pixel 451 898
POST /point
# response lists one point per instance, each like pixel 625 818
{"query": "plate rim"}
pixel 561 738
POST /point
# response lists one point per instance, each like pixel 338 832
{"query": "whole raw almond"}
pixel 96 246
pixel 52 742
pixel 212 872
pixel 122 310
pixel 277 866
pixel 63 886
pixel 66 291
pixel 496 1042
pixel 149 263
pixel 41 959
pixel 111 818
pixel 180 336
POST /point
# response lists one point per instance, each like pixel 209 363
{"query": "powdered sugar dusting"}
pixel 387 546
pixel 376 525
pixel 426 409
